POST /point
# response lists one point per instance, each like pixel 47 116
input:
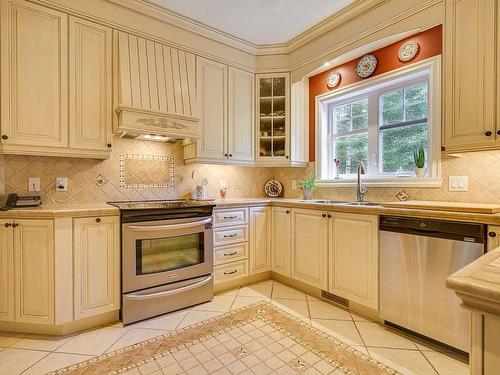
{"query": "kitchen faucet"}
pixel 360 191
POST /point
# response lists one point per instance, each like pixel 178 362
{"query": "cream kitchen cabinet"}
pixel 40 49
pixel 353 253
pixel 90 81
pixel 6 271
pixel 96 257
pixel 260 239
pixel 310 247
pixel 280 240
pixel 493 240
pixel 471 84
pixel 225 100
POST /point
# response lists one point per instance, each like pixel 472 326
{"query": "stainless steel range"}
pixel 167 257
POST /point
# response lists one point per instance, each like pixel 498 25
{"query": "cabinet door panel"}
pixel 97 266
pixel 34 271
pixel 6 272
pixel 470 69
pixel 34 74
pixel 280 261
pixel 241 115
pixel 354 258
pixel 260 239
pixel 212 99
pixel 310 247
pixel 90 109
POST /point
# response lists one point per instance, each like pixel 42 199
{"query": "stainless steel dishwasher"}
pixel 416 257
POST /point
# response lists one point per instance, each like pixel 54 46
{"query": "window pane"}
pixel 416 94
pixel 351 150
pixel 416 111
pixel 392 99
pixel 342 112
pixel 360 108
pixel 393 116
pixel 398 144
pixel 360 122
pixel 342 126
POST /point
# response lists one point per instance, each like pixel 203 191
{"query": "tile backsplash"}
pixel 95 181
pixel 99 180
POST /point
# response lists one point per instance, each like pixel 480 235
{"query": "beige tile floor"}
pixel 38 354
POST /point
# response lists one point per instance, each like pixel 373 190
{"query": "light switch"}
pixel 61 184
pixel 34 184
pixel 458 183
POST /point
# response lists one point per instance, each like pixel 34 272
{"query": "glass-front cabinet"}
pixel 273 119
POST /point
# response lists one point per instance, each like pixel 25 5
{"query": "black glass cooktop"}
pixel 135 211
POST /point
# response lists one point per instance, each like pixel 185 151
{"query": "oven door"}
pixel 165 251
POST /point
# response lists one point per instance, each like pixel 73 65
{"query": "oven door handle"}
pixel 148 228
pixel 137 297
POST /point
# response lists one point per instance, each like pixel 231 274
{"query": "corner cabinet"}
pixel 96 254
pixel 472 75
pixel 226 107
pixel 354 258
pixel 260 239
pixel 280 240
pixel 310 247
pixel 46 58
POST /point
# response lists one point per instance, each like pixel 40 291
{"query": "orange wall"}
pixel 430 45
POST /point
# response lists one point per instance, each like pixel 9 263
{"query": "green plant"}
pixel 308 184
pixel 419 157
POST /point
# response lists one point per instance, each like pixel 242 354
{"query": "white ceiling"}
pixel 257 21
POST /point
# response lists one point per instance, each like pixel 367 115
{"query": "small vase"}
pixel 420 172
pixel 308 193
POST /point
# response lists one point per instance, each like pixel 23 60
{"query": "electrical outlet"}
pixel 458 183
pixel 294 184
pixel 34 184
pixel 61 184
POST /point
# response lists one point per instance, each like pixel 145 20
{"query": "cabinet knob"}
pixel 110 145
pixel 491 234
pixel 98 220
pixel 14 225
pixel 329 216
pixel 9 224
pixel 287 211
pixel 230 155
pixel 225 155
pixel 5 137
pixel 324 215
pixel 287 156
pixel 488 133
pixel 498 132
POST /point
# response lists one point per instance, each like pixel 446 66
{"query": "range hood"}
pixel 156 90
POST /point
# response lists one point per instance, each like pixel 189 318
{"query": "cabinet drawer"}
pixel 234 216
pixel 230 271
pixel 226 236
pixel 230 253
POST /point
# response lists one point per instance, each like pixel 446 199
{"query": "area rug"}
pixel 259 339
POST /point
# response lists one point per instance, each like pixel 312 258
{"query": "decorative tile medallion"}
pixel 258 336
pixel 146 171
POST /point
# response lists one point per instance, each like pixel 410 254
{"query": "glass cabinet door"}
pixel 272 118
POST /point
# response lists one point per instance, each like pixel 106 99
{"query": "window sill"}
pixel 423 182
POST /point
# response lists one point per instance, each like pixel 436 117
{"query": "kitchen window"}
pixel 379 122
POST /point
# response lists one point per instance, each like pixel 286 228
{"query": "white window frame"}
pixel 382 83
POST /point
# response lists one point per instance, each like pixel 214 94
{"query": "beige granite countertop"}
pixel 478 284
pixel 70 210
pixel 93 209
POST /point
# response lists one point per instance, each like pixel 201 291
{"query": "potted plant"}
pixel 419 158
pixel 307 186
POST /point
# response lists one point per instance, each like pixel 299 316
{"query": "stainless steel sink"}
pixel 328 201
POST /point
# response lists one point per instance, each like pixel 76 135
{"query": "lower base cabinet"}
pixel 281 225
pixel 310 247
pixel 260 239
pixel 354 258
pixel 96 249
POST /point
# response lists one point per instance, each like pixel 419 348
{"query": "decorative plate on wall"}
pixel 366 66
pixel 273 188
pixel 333 79
pixel 408 50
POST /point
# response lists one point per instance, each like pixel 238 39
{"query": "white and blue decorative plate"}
pixel 366 66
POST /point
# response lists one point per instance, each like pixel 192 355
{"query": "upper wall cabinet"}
pixel 156 89
pixel 471 81
pixel 225 99
pixel 282 121
pixel 36 117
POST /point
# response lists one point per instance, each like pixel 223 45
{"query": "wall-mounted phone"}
pixel 16 201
